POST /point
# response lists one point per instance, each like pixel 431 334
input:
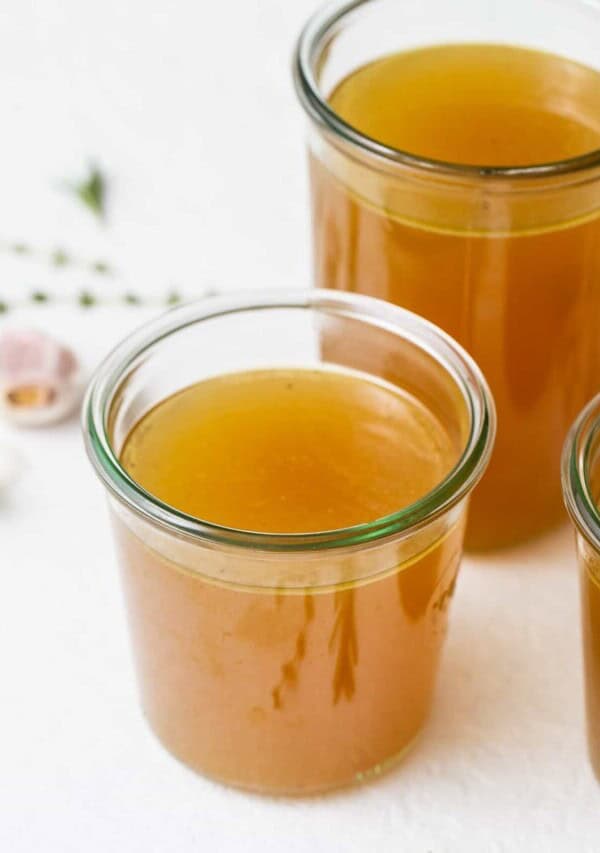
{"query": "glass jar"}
pixel 506 260
pixel 288 663
pixel 581 485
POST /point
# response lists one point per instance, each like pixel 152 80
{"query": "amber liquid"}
pixel 288 689
pixel 523 299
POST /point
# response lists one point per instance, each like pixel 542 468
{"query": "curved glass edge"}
pixel 575 473
pixel 457 484
pixel 315 38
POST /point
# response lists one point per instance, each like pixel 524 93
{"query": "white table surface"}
pixel 189 109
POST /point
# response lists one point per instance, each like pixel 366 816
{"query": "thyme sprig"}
pixel 90 299
pixel 57 257
pixel 91 191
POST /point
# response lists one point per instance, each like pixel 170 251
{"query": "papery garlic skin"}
pixel 40 379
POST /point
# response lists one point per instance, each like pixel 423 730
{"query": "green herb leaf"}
pixel 39 296
pixel 59 258
pixel 3 307
pixel 92 191
pixel 131 299
pixel 20 248
pixel 101 267
pixel 86 299
pixel 174 298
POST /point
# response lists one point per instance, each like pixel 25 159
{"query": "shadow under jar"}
pixel 455 170
pixel 288 659
pixel 581 485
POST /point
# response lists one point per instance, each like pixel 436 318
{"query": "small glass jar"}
pixel 581 486
pixel 504 259
pixel 288 663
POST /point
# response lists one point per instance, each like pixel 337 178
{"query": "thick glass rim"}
pixel 456 485
pixel 576 460
pixel 316 37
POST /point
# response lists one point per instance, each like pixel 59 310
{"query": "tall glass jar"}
pixel 506 260
pixel 581 485
pixel 288 663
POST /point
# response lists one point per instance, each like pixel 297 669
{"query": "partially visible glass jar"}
pixel 288 663
pixel 581 485
pixel 506 260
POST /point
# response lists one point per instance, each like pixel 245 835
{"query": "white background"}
pixel 189 109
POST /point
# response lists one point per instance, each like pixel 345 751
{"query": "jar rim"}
pixel 576 483
pixel 316 37
pixel 453 488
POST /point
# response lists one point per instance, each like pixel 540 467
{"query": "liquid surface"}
pixel 476 104
pixel 280 689
pixel 524 299
pixel 289 451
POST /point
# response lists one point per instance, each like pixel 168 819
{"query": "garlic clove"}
pixel 40 379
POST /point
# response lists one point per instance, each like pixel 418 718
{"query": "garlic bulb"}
pixel 40 379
